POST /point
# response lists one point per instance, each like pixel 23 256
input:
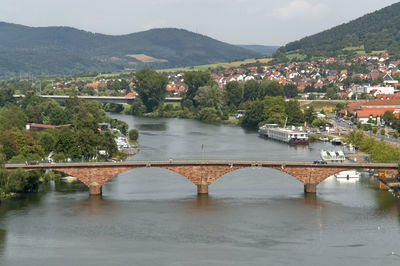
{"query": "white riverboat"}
pixel 333 156
pixel 350 176
pixel 293 137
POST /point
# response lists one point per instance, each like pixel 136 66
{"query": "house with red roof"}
pixel 39 127
pixel 131 94
pixel 377 107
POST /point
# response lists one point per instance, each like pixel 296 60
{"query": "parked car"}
pixel 319 162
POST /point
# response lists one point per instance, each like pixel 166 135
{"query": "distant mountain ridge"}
pixel 262 49
pixel 66 50
pixel 375 31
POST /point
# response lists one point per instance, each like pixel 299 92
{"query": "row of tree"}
pixel 205 101
pixel 79 139
pixel 378 150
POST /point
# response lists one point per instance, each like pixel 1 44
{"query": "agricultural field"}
pixel 223 65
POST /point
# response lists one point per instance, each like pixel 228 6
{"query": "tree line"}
pixel 205 101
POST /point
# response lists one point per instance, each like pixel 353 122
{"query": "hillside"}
pixel 65 50
pixel 376 31
pixel 261 49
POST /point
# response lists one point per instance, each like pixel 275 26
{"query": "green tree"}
pixel 250 90
pixel 319 123
pixel 309 115
pixel 331 93
pixel 133 134
pixel 254 115
pixel 389 117
pixel 194 80
pixel 57 116
pixel 209 97
pixel 123 127
pixel 66 144
pixel 290 91
pixel 274 110
pixel 48 140
pixel 12 117
pixel 138 108
pixel 234 93
pixel 87 142
pixel 151 87
pixel 6 96
pixel 312 96
pixel 270 88
pixel 106 142
pixel 293 112
pixel 209 115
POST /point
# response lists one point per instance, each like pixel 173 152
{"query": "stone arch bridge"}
pixel 203 173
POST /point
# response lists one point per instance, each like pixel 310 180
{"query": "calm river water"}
pixel 251 217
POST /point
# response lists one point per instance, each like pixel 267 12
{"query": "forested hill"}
pixel 376 31
pixel 262 49
pixel 65 50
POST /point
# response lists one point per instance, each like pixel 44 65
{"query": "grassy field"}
pixel 211 66
pixel 354 48
pixel 299 57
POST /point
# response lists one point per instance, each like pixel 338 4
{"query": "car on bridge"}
pixel 32 163
pixel 320 162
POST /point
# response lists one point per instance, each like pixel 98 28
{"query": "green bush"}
pixel 209 115
pixel 318 123
pixel 133 134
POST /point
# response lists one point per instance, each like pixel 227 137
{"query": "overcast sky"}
pixel 267 22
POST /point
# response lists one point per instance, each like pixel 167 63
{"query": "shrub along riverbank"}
pixel 378 150
pixel 19 181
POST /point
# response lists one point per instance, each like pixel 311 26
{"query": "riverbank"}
pixel 358 157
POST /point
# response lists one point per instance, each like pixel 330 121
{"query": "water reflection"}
pixel 21 204
pixel 93 205
pixel 76 186
pixel 311 200
pixel 152 127
pixel 387 203
pixel 3 236
pixel 204 201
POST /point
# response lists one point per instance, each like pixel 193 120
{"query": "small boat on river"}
pixel 351 176
pixel 336 141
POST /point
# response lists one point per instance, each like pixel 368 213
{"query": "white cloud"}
pixel 299 9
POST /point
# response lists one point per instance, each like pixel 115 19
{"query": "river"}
pixel 152 216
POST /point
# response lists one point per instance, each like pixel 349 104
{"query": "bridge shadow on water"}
pixel 248 185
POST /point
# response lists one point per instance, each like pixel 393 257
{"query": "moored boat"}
pixel 333 156
pixel 292 137
pixel 336 141
pixel 350 176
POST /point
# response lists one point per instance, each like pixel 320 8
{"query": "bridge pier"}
pixel 95 189
pixel 202 188
pixel 310 188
